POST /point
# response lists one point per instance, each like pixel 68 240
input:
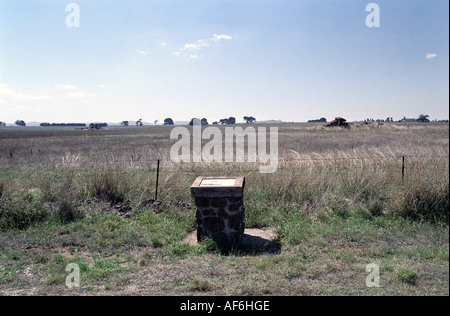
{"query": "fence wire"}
pixel 408 166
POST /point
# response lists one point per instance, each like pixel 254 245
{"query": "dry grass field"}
pixel 340 200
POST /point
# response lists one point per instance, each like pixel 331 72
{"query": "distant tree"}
pixel 204 121
pixel 168 121
pixel 125 123
pixel 230 120
pixel 156 122
pixel 98 125
pixel 249 119
pixel 215 123
pixel 139 123
pixel 20 123
pixel 191 123
pixel 2 124
pixel 423 118
pixel 63 124
pixel 321 120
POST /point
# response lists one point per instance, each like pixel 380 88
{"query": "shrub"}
pixel 106 187
pixel 407 276
pixel 2 189
pixel 375 207
pixel 429 203
pixel 21 213
pixel 66 210
pixel 339 206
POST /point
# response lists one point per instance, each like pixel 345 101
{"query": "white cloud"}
pixel 30 97
pixel 188 48
pixel 65 87
pixel 77 94
pixel 102 86
pixel 142 52
pixel 191 46
pixel 217 38
pixel 20 108
pixel 80 95
pixel 5 90
pixel 431 56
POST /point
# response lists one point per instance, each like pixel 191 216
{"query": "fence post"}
pixel 157 180
pixel 403 170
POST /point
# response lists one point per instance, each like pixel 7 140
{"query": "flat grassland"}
pixel 341 199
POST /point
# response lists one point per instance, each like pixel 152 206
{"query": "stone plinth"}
pixel 220 208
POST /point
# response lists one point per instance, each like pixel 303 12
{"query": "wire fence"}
pixel 403 168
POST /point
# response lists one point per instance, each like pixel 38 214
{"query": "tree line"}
pixel 62 124
pixel 423 118
pixel 225 121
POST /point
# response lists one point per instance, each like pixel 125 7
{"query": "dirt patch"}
pixel 256 240
pixel 254 235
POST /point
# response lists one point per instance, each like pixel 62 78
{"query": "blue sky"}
pixel 277 59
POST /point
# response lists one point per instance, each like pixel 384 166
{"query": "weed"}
pixel 156 242
pixel 407 276
pixel 425 202
pixel 21 213
pixel 200 286
pixel 106 187
pixel 2 189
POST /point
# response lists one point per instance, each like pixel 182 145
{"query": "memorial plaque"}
pixel 218 182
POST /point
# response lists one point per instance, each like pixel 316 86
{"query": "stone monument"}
pixel 220 208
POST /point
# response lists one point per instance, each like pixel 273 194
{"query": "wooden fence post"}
pixel 403 170
pixel 157 180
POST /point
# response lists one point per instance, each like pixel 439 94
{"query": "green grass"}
pixel 407 276
pixel 316 258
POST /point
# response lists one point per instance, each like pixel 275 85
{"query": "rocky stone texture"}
pixel 221 218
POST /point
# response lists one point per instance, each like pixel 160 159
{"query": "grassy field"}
pixel 337 203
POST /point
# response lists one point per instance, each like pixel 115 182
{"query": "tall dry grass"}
pixel 329 170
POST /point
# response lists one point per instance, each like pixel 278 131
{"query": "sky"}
pixel 109 61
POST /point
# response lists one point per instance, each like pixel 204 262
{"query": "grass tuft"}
pixel 2 189
pixel 407 276
pixel 107 188
pixel 425 203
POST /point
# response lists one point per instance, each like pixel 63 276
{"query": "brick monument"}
pixel 220 208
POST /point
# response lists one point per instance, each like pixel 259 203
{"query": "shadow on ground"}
pixel 255 242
